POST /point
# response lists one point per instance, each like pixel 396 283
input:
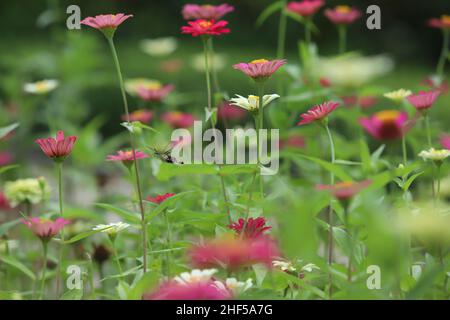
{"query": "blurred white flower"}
pixel 234 286
pixel 310 267
pixel 251 103
pixel 195 275
pixel 218 62
pixel 398 95
pixel 159 47
pixel 434 155
pixel 112 229
pixel 41 87
pixel 283 265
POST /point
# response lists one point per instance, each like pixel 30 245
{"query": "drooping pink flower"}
pixel 387 124
pixel 5 158
pixel 293 141
pixel 233 253
pixel 441 23
pixel 143 116
pixel 45 229
pixel 343 15
pixel 345 190
pixel 260 69
pixel 228 111
pixel 318 112
pixel 445 141
pixel 160 197
pixel 201 290
pixel 127 157
pixel 154 92
pixel 305 8
pixel 252 228
pixel 4 203
pixel 423 100
pixel 57 149
pixel 208 12
pixel 437 85
pixel 203 27
pixel 178 119
pixel 106 21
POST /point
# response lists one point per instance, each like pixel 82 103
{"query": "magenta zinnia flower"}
pixel 127 157
pixel 178 119
pixel 106 21
pixel 260 69
pixel 318 112
pixel 143 116
pixel 154 93
pixel 441 23
pixel 305 8
pixel 5 158
pixel 293 141
pixel 254 228
pixel 203 27
pixel 342 15
pixel 387 124
pixel 445 141
pixel 228 111
pixel 160 197
pixel 45 229
pixel 208 12
pixel 57 149
pixel 345 190
pixel 200 290
pixel 423 100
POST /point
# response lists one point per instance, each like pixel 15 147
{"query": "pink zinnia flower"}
pixel 342 15
pixel 206 27
pixel 106 22
pixel 254 228
pixel 442 23
pixel 208 12
pixel 423 100
pixel 4 203
pixel 233 253
pixel 230 112
pixel 260 69
pixel 294 141
pixel 154 93
pixel 201 290
pixel 5 158
pixel 324 82
pixel 143 116
pixel 345 190
pixel 45 229
pixel 366 102
pixel 445 141
pixel 178 119
pixel 305 8
pixel 127 157
pixel 387 124
pixel 318 112
pixel 160 197
pixel 57 149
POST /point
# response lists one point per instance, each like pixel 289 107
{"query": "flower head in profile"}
pixel 159 47
pixel 30 190
pixel 445 141
pixel 343 15
pixel 345 190
pixel 251 103
pixel 423 100
pixel 45 229
pixel 57 148
pixel 160 197
pixel 398 95
pixel 203 27
pixel 260 69
pixel 142 115
pixel 318 113
pixel 41 87
pixel 154 91
pixel 387 124
pixel 127 157
pixel 111 229
pixel 305 8
pixel 201 290
pixel 441 23
pixel 206 11
pixel 437 156
pixel 250 228
pixel 107 23
pixel 285 266
pixel 178 119
pixel 132 85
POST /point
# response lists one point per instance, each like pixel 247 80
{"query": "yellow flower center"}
pixel 343 9
pixel 128 154
pixel 207 6
pixel 205 24
pixel 153 85
pixel 445 18
pixel 343 184
pixel 387 115
pixel 259 61
pixel 41 86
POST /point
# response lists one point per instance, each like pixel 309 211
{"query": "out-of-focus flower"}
pixel 194 11
pixel 436 83
pixel 387 124
pixel 345 190
pixel 101 253
pixel 195 275
pixel 285 266
pixel 31 191
pixel 293 141
pixel 252 228
pixel 172 290
pixel 349 101
pixel 4 203
pixel 234 286
pixel 171 66
pixel 160 197
pixel 434 155
pixel 142 115
pixel 154 92
pixel 252 102
pixel 324 82
pixel 343 15
pixel 159 47
pixel 318 113
pixel 445 141
pixel 112 229
pixel 398 95
pixel 107 23
pixel 5 158
pixel 202 27
pixel 441 23
pixel 45 229
pixel 132 85
pixel 232 252
pixel 216 62
pixel 228 111
pixel 57 149
pixel 178 119
pixel 309 267
pixel 127 157
pixel 260 69
pixel 423 100
pixel 366 102
pixel 305 8
pixel 41 87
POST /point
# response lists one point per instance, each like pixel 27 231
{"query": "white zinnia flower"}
pixel 310 267
pixel 41 87
pixel 195 275
pixel 434 155
pixel 112 228
pixel 398 95
pixel 283 265
pixel 159 47
pixel 252 102
pixel 234 286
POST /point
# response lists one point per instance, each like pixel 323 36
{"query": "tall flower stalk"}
pixel 444 53
pixel 44 268
pixel 282 26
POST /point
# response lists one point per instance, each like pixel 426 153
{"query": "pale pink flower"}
pixel 154 92
pixel 178 119
pixel 260 69
pixel 143 116
pixel 345 190
pixel 423 100
pixel 318 112
pixel 445 141
pixel 206 11
pixel 127 157
pixel 105 21
pixel 57 149
pixel 199 290
pixel 45 229
pixel 305 8
pixel 343 15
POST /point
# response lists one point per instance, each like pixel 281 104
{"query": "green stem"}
pixel 136 166
pixel 438 178
pixel 44 270
pixel 169 242
pixel 342 29
pixel 444 53
pixel 215 78
pixel 260 127
pixel 427 126
pixel 350 245
pixel 61 213
pixel 308 31
pixel 116 255
pixel 405 155
pixel 282 33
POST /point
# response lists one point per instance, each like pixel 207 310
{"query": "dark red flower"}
pixel 160 197
pixel 254 228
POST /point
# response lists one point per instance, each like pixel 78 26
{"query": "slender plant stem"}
pixel 427 128
pixel 215 78
pixel 282 33
pixel 444 53
pixel 44 270
pixel 342 29
pixel 259 146
pixel 438 182
pixel 330 216
pixel 350 245
pixel 169 241
pixel 61 213
pixel 405 155
pixel 308 31
pixel 116 255
pixel 136 165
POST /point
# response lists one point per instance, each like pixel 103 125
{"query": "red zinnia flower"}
pixel 305 8
pixel 318 112
pixel 160 197
pixel 43 228
pixel 202 27
pixel 387 124
pixel 208 12
pixel 201 290
pixel 5 158
pixel 442 23
pixel 423 100
pixel 143 116
pixel 4 203
pixel 254 228
pixel 154 92
pixel 260 69
pixel 345 190
pixel 57 149
pixel 178 119
pixel 127 157
pixel 106 21
pixel 445 141
pixel 342 15
pixel 324 82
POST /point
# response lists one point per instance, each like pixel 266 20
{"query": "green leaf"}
pixel 125 214
pixel 4 228
pixel 336 170
pixel 83 235
pixel 411 180
pixel 165 171
pixel 18 265
pixel 5 130
pixel 7 168
pixel 267 12
pixel 165 204
pixel 74 294
pixel 145 282
pixel 364 153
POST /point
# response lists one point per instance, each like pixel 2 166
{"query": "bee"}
pixel 164 154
